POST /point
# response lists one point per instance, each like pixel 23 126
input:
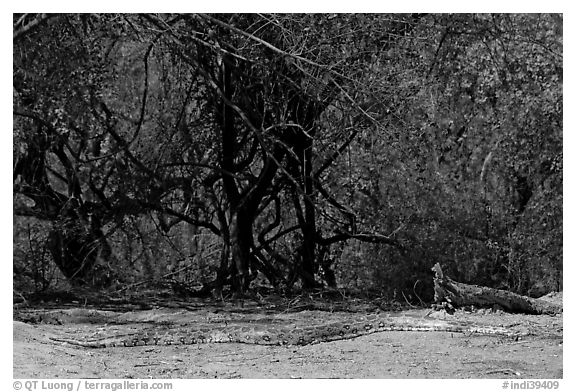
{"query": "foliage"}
pixel 358 149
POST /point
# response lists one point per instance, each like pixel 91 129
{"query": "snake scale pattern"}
pixel 282 336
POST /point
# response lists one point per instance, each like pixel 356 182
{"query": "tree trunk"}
pixel 240 246
pixel 458 294
pixel 309 265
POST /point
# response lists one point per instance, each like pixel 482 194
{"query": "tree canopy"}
pixel 309 149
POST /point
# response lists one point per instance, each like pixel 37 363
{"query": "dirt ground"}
pixel 379 355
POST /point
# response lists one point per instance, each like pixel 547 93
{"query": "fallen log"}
pixel 455 294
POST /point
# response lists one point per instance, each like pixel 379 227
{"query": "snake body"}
pixel 281 336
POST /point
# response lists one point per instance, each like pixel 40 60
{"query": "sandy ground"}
pixel 380 355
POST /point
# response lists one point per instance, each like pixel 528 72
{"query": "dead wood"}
pixel 457 294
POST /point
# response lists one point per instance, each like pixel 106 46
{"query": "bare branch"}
pixel 364 237
pixel 183 217
pixel 25 29
pixel 328 162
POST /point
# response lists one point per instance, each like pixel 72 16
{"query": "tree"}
pixel 284 135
